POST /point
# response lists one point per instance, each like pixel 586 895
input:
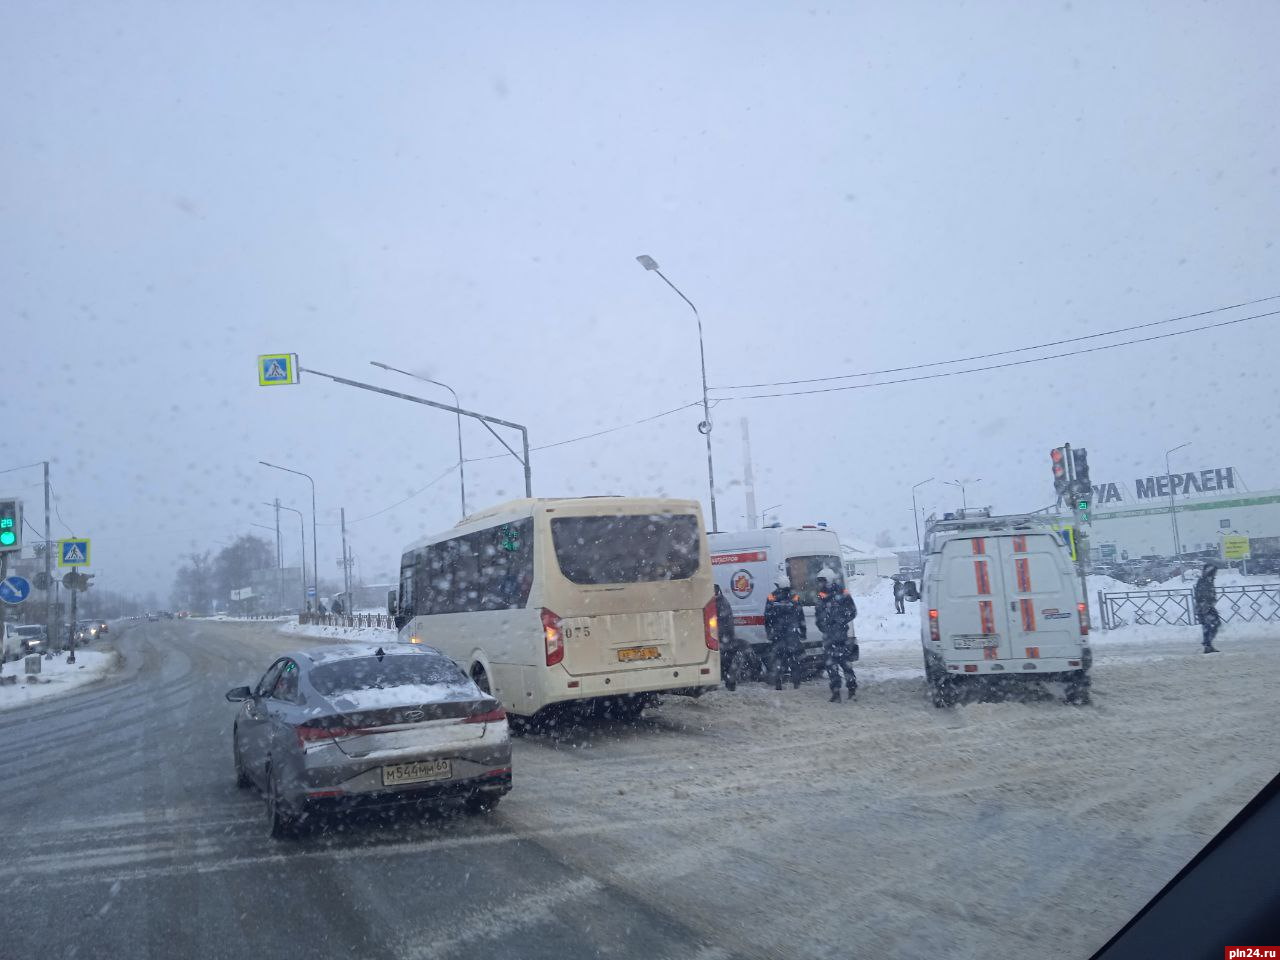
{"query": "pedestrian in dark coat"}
pixel 785 627
pixel 729 653
pixel 1205 596
pixel 834 612
pixel 899 595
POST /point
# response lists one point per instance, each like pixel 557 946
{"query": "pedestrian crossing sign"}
pixel 73 553
pixel 277 369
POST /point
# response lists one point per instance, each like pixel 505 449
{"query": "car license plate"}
pixel 971 643
pixel 416 772
pixel 631 654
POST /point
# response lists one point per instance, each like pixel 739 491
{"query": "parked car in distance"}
pixel 22 639
pixel 335 728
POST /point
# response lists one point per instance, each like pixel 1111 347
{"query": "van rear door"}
pixel 973 618
pixel 1043 620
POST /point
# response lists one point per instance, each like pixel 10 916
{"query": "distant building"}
pixel 866 559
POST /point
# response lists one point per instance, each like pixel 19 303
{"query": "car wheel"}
pixel 482 803
pixel 280 824
pixel 481 679
pixel 243 780
pixel 1078 689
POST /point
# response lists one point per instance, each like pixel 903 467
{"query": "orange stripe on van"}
pixel 1020 543
pixel 1033 653
pixel 979 545
pixel 1028 615
pixel 990 653
pixel 981 576
pixel 1023 567
pixel 987 610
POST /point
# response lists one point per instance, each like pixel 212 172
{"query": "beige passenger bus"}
pixel 596 601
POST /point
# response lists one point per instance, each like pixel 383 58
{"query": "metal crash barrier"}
pixel 1255 603
pixel 348 620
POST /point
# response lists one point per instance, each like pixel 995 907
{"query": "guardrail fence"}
pixel 1255 603
pixel 349 620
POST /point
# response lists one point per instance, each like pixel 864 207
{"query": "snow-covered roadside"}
pixel 56 676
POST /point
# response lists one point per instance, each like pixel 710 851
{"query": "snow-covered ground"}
pixel 56 676
pixel 1007 829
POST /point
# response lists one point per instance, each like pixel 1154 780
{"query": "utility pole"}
pixel 51 592
pixel 279 560
pixel 748 476
pixel 346 563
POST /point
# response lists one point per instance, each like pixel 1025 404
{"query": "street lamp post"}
pixel 765 512
pixel 1173 512
pixel 915 516
pixel 704 427
pixel 483 418
pixel 315 556
pixel 462 482
pixel 302 557
pixel 964 504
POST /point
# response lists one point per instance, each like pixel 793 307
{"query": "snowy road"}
pixel 756 824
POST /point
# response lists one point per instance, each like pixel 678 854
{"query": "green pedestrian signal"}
pixel 10 525
pixel 1082 504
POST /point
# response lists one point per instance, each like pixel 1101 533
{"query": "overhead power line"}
pixel 1001 366
pixel 1009 352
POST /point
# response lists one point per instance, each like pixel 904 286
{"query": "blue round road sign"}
pixel 14 590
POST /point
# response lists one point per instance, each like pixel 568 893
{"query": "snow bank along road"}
pixel 759 824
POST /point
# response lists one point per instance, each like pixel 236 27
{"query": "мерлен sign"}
pixel 1175 484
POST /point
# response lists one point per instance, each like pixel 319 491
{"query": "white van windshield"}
pixel 803 573
pixel 626 549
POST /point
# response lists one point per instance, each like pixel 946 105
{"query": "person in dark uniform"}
pixel 784 626
pixel 1205 596
pixel 834 612
pixel 899 595
pixel 728 642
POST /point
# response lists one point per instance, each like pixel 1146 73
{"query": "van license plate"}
pixel 415 772
pixel 631 654
pixel 973 643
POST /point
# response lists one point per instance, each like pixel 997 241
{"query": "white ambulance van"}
pixel 747 564
pixel 1001 599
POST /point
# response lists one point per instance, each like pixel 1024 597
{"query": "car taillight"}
pixel 933 625
pixel 711 626
pixel 1084 619
pixel 493 716
pixel 308 734
pixel 554 638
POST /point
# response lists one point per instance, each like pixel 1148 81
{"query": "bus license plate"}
pixel 631 654
pixel 971 643
pixel 416 771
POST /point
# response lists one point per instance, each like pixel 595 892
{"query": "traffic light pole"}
pixel 1077 528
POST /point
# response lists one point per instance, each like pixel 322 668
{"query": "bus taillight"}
pixel 711 625
pixel 1083 612
pixel 933 626
pixel 554 638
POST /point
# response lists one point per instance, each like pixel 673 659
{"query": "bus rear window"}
pixel 626 549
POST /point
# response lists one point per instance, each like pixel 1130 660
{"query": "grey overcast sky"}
pixel 461 189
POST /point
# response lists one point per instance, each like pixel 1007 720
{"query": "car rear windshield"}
pixel 30 631
pixel 387 672
pixel 626 549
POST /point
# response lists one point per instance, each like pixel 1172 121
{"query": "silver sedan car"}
pixel 333 728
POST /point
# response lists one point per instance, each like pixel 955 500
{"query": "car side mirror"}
pixel 239 694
